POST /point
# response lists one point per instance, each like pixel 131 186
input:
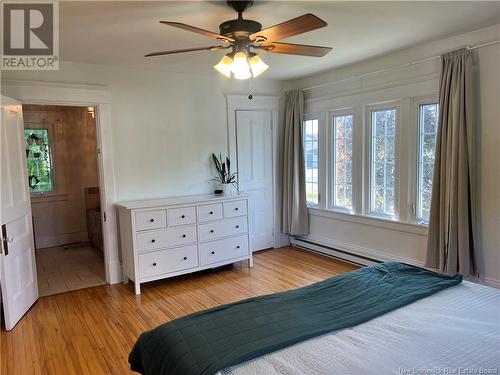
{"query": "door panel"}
pixel 18 267
pixel 255 173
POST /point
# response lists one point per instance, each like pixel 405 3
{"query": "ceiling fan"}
pixel 244 37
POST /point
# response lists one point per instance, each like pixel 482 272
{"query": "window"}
pixel 40 174
pixel 311 160
pixel 427 123
pixel 343 160
pixel 383 160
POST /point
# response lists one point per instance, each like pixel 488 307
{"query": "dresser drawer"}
pixel 218 251
pixel 223 228
pixel 210 212
pixel 157 239
pixel 181 216
pixel 236 208
pixel 167 261
pixel 150 220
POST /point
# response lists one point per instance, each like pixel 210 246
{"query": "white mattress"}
pixel 456 331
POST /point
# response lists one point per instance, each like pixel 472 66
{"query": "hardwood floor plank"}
pixel 91 331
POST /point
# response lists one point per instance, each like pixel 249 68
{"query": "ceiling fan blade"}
pixel 299 25
pixel 197 30
pixel 209 48
pixel 296 49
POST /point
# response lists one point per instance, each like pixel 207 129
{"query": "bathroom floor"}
pixel 63 269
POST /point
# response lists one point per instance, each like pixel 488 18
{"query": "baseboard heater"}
pixel 343 255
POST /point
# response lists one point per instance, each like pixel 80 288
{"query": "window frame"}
pixel 313 117
pixel 332 155
pixel 368 159
pixel 52 142
pixel 417 104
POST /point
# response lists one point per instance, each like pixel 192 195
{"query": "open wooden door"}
pixel 18 267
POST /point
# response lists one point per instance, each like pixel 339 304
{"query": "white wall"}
pixel 415 74
pixel 165 125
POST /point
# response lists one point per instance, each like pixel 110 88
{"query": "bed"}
pixel 389 318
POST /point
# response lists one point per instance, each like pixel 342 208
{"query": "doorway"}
pixel 62 170
pixel 254 144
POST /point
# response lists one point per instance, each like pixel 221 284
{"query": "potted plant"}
pixel 224 176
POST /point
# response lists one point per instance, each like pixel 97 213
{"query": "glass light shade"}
pixel 257 65
pixel 224 66
pixel 240 68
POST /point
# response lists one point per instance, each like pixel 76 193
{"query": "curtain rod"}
pixel 395 67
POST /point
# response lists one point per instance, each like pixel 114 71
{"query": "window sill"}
pixel 375 221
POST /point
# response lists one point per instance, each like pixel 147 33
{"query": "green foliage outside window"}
pixel 40 172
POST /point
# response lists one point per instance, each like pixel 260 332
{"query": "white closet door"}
pixel 18 267
pixel 255 173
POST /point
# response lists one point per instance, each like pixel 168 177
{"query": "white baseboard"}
pixel 364 256
pixel 60 239
pixel 282 240
pixel 342 250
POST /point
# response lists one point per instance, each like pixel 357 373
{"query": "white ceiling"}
pixel 121 32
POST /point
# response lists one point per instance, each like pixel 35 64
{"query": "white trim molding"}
pixel 50 93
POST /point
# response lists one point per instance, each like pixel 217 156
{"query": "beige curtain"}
pixel 294 218
pixel 450 244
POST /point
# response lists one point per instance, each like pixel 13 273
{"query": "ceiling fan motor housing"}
pixel 239 28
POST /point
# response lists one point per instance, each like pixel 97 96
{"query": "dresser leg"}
pixel 125 279
pixel 137 288
pixel 250 261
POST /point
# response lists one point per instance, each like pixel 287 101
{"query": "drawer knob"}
pixel 153 240
pixel 183 236
pixel 238 246
pixel 237 226
pixel 185 258
pixel 151 220
pixel 213 252
pixel 154 264
pixel 211 212
pixel 183 216
pixel 236 209
pixel 211 230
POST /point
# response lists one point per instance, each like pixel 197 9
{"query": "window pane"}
pixel 39 160
pixel 343 143
pixel 311 160
pixel 383 156
pixel 428 120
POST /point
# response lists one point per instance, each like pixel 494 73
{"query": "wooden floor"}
pixel 91 331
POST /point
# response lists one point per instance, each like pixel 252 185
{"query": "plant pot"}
pixel 226 189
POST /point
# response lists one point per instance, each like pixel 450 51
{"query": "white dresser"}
pixel 162 238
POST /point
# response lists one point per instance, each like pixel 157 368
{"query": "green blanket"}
pixel 212 340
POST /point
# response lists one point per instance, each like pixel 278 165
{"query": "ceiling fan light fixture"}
pixel 257 65
pixel 240 67
pixel 225 66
